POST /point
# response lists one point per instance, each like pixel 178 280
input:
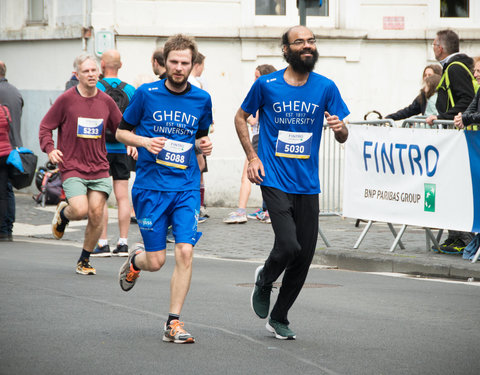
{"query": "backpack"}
pixel 49 183
pixel 117 94
pixel 447 88
pixel 120 97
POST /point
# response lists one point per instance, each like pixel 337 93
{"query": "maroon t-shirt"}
pixel 81 124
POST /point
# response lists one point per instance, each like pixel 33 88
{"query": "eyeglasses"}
pixel 302 42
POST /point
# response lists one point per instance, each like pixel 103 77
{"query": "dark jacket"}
pixel 11 97
pixel 417 107
pixel 461 86
pixel 472 113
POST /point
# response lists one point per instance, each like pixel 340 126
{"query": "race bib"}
pixel 89 127
pixel 293 145
pixel 175 154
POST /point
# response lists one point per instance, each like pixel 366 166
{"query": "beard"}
pixel 176 82
pixel 299 65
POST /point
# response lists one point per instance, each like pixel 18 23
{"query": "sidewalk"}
pixel 253 241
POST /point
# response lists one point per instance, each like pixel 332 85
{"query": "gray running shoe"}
pixel 260 299
pixel 280 330
pixel 127 276
pixel 235 217
pixel 175 333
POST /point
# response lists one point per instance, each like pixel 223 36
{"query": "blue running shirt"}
pixel 292 120
pixel 156 112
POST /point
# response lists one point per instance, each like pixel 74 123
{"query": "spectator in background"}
pixel 430 91
pixel 239 216
pixel 5 149
pixel 446 49
pixel 11 97
pixel 73 81
pixel 195 78
pixel 454 96
pixel 158 63
pixel 117 157
pixel 472 113
pixel 420 103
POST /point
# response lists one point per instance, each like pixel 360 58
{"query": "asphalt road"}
pixel 53 321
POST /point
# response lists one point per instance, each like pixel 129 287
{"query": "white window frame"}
pixel 453 22
pixel 29 21
pixel 293 18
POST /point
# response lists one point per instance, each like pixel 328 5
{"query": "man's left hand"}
pixel 205 146
pixel 338 127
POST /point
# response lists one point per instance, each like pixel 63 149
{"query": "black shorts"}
pixel 119 167
pixel 255 143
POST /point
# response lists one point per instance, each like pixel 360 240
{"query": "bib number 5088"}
pixel 177 158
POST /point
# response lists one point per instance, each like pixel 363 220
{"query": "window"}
pixel 314 8
pixel 454 8
pixel 270 7
pixel 36 11
pixel 281 13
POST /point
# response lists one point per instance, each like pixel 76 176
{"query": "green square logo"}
pixel 430 190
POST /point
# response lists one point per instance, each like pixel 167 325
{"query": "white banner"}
pixel 417 177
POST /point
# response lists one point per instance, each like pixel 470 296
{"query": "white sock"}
pixel 123 241
pixel 102 243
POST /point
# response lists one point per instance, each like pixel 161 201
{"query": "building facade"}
pixel 375 50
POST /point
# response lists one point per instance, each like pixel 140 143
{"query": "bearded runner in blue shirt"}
pixel 292 104
pixel 169 118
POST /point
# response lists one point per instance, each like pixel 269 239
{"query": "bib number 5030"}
pixel 294 149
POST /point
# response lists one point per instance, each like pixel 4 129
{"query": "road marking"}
pixel 425 278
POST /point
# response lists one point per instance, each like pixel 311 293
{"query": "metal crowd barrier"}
pixel 418 122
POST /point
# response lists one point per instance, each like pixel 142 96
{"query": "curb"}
pixel 367 262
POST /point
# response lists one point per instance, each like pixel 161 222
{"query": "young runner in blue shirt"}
pixel 292 104
pixel 169 117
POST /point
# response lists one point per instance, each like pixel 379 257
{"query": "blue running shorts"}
pixel 156 210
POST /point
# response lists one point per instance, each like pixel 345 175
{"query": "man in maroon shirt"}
pixel 81 115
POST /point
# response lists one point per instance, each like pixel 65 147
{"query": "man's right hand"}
pixel 254 167
pixel 154 145
pixel 55 156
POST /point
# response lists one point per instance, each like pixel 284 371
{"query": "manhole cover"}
pixel 306 285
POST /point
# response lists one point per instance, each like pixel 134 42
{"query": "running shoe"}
pixel 58 225
pixel 455 248
pixel 175 333
pixel 101 251
pixel 280 330
pixel 204 212
pixel 120 250
pixel 264 217
pixel 235 217
pixel 202 219
pixel 127 276
pixel 254 215
pixel 260 298
pixel 84 268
